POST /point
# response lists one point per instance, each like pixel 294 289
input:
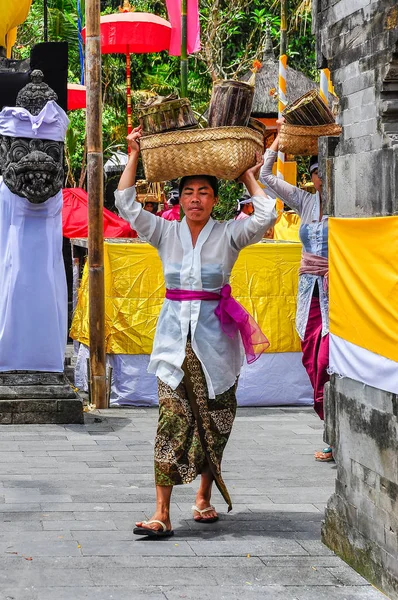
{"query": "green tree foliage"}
pixel 232 35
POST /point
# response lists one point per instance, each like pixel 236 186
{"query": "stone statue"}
pixel 35 95
pixel 32 168
pixel 33 293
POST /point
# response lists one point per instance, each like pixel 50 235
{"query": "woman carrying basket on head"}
pixel 197 352
pixel 312 316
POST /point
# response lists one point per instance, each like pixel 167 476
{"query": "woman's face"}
pixel 197 200
pixel 316 180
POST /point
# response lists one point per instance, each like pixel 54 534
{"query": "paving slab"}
pixel 70 495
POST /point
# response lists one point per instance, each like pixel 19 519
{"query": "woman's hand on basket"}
pixel 252 173
pixel 279 123
pixel 133 140
pixel 275 144
pixel 127 179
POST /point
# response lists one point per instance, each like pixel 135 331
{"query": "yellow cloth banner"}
pixel 264 280
pixel 363 276
pixel 287 227
pixel 12 13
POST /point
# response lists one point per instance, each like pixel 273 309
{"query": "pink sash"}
pixel 232 316
pixel 312 264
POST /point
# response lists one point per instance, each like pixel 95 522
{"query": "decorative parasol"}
pixel 76 96
pixel 130 32
pixel 116 163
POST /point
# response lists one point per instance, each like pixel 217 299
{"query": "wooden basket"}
pixel 230 104
pixel 225 152
pixel 309 110
pixel 166 116
pixel 299 139
pixel 258 126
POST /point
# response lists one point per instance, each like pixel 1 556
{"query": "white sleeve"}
pixel 149 227
pixel 290 194
pixel 249 231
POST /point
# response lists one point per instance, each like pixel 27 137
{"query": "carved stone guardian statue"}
pixel 33 292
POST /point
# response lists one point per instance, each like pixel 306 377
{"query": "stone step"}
pixel 36 391
pixel 31 378
pixel 32 410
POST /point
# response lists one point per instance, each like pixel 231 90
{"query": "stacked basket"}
pixel 307 119
pixel 223 151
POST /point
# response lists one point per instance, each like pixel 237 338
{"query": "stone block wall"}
pixel 358 41
pixel 361 523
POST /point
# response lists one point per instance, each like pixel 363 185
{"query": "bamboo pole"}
pixel 95 204
pixel 45 20
pixel 282 101
pixel 283 39
pixel 184 49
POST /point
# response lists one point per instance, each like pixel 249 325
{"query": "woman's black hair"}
pixel 213 182
pixel 313 161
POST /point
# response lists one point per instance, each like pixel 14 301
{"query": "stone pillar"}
pixel 358 41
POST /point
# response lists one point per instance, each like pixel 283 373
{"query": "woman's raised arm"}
pixel 290 194
pixel 148 226
pixel 251 230
pixel 127 179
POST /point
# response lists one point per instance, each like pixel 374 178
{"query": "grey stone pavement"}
pixel 69 497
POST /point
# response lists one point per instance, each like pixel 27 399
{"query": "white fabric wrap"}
pixel 33 292
pixel 50 124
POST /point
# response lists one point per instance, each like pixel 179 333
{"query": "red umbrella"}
pixel 76 96
pixel 132 32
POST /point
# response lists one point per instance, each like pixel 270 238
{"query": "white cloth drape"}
pixel 50 124
pixel 349 360
pixel 33 292
pixel 273 380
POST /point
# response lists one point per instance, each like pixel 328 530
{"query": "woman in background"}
pixel 312 317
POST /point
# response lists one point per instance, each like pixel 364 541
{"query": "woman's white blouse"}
pixel 207 266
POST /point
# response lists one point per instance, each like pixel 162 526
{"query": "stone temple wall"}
pixel 358 41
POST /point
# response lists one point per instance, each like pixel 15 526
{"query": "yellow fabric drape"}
pixel 264 280
pixel 363 276
pixel 287 228
pixel 12 13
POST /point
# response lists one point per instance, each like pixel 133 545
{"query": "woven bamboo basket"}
pixel 225 152
pixel 301 139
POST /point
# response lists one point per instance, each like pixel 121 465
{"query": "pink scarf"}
pixel 232 316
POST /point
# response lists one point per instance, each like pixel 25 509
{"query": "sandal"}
pixel 203 512
pixel 153 533
pixel 325 455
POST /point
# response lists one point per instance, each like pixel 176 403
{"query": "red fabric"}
pixel 316 354
pixel 133 32
pixel 75 217
pixel 173 214
pixel 76 96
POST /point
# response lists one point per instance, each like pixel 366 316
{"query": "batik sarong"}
pixel 193 430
